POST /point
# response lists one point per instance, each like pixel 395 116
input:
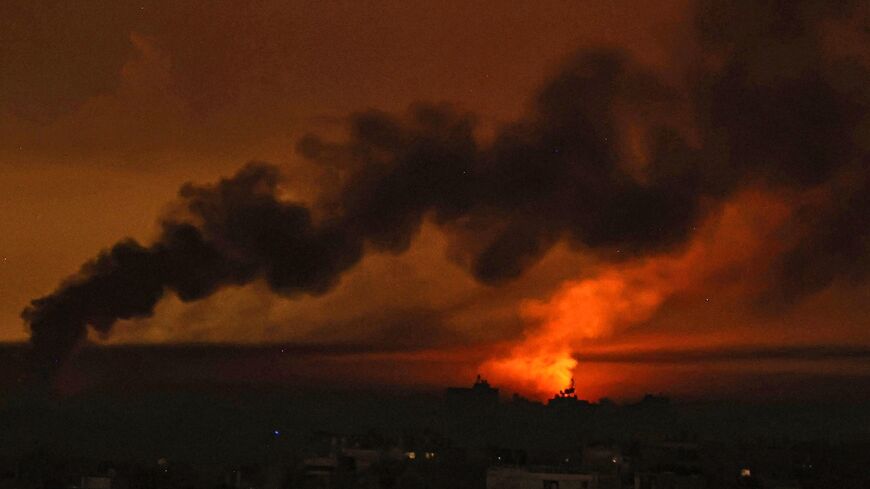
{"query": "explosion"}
pixel 630 293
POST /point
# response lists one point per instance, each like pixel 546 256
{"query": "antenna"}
pixel 570 389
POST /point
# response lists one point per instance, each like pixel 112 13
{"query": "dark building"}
pixel 567 398
pixel 480 396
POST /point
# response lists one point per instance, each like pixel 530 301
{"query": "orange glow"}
pixel 585 309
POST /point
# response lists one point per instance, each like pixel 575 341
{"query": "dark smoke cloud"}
pixel 238 231
pixel 556 175
pixel 785 109
pixel 834 244
pixel 769 107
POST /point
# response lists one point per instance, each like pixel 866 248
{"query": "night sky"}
pixel 661 196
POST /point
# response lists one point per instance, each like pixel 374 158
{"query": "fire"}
pixel 627 294
pixel 581 310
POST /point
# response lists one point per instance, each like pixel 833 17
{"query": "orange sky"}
pixel 111 107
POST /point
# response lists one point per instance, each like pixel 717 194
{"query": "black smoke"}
pixel 787 108
pixel 766 104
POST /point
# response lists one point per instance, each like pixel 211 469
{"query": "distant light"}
pixel 429 455
pixel 614 460
pixel 411 455
pixel 745 473
pixel 276 433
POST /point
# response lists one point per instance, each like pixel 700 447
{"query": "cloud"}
pixel 59 55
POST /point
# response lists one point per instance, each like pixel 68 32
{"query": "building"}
pixel 480 396
pixel 96 482
pixel 567 398
pixel 669 480
pixel 539 478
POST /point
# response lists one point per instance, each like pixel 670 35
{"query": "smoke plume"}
pixel 610 158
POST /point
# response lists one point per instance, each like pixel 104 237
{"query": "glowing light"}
pixel 581 310
pixel 543 361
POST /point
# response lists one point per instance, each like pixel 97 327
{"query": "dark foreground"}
pixel 275 438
